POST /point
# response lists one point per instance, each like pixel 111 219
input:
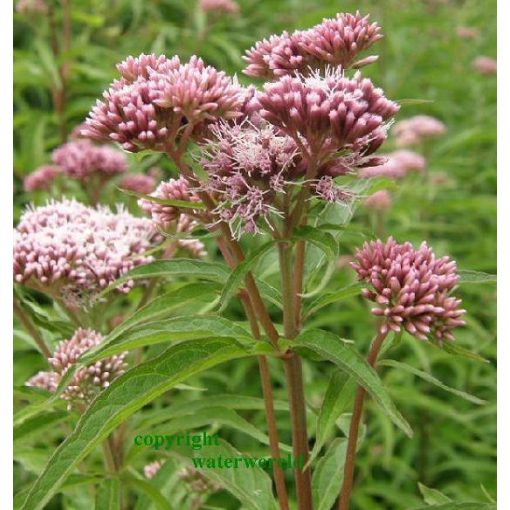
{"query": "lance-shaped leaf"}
pixel 468 276
pixel 108 495
pixel 235 279
pixel 125 396
pixel 332 348
pixel 190 268
pixel 431 379
pixel 328 475
pixel 170 330
pixel 333 297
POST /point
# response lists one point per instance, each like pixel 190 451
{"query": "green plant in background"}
pixel 289 162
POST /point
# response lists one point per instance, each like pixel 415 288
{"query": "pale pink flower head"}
pixel 379 201
pixel 138 183
pixel 338 41
pixel 411 289
pixel 88 381
pixel 81 160
pixel 72 251
pixel 219 6
pixel 330 112
pixel 41 178
pixel 417 129
pixel 150 470
pixel 326 189
pixel 197 93
pixel 397 165
pixel 166 216
pixel 485 65
pixel 468 32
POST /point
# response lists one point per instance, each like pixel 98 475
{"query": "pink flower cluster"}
pixel 379 201
pixel 81 160
pixel 219 6
pixel 157 97
pixel 150 470
pixel 41 178
pixel 485 65
pixel 411 289
pixel 334 42
pixel 468 32
pixel 415 130
pixel 138 183
pixel 330 112
pixel 87 381
pixel 399 164
pixel 174 219
pixel 71 251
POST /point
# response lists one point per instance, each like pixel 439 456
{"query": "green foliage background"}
pixel 421 58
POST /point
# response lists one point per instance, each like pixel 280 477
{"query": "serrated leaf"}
pixel 337 400
pixel 431 379
pixel 187 327
pixel 333 297
pixel 176 267
pixel 457 350
pixel 332 348
pixel 38 424
pixel 328 475
pixel 108 495
pixel 161 306
pixel 236 277
pixel 130 392
pixel 475 277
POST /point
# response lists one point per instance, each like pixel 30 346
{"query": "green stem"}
pixel 31 329
pixel 350 458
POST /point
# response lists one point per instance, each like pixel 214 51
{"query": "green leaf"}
pixel 236 277
pixel 432 496
pixel 184 204
pixel 125 396
pixel 39 423
pixel 338 399
pixel 334 349
pixel 326 243
pixel 241 402
pixel 251 486
pixel 178 328
pixel 333 297
pixel 460 506
pixel 474 277
pixel 328 475
pixel 134 479
pixel 108 495
pixel 161 306
pixel 175 267
pixel 457 350
pixel 431 379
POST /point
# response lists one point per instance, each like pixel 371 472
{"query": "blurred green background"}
pixel 422 58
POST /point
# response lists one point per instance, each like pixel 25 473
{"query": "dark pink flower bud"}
pixel 139 183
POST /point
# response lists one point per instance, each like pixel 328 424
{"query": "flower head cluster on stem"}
pixel 87 381
pixel 411 289
pixel 71 251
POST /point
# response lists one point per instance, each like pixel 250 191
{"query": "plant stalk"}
pixel 295 388
pixel 31 329
pixel 350 458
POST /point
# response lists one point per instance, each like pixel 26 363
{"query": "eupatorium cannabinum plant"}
pixel 288 161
